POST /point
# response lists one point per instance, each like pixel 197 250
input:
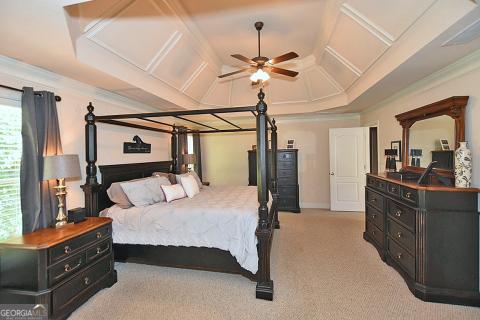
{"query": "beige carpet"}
pixel 322 269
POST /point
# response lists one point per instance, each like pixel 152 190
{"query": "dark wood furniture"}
pixel 61 268
pixel 453 107
pixel 445 159
pixel 429 234
pixel 287 178
pixel 195 258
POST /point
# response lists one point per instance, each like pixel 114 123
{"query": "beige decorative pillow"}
pixel 117 196
pixel 169 176
pixel 193 174
pixel 190 185
pixel 173 192
pixel 145 192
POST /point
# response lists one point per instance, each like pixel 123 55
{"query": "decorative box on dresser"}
pixel 287 177
pixel 61 268
pixel 429 234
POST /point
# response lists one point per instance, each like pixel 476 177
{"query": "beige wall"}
pixel 461 78
pixel 225 155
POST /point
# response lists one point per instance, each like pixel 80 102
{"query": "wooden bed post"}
pixel 91 186
pixel 273 174
pixel 264 288
pixel 174 144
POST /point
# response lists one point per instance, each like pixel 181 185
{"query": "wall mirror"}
pixel 432 133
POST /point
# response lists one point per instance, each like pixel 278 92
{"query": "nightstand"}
pixel 206 183
pixel 61 268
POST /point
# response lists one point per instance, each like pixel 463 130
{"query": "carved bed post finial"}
pixel 264 230
pixel 91 186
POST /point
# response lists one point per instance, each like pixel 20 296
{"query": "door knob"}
pixel 332 173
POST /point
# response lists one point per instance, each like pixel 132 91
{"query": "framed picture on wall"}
pixel 398 146
pixel 291 144
pixel 444 144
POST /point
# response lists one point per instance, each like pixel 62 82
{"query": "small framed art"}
pixel 398 146
pixel 291 144
pixel 444 144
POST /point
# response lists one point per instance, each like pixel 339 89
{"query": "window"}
pixel 190 167
pixel 10 156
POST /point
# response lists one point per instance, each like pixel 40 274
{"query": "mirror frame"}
pixel 453 107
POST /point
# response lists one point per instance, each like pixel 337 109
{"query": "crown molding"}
pixel 55 82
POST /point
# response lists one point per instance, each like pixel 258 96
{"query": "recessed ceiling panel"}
pixel 137 34
pixel 201 81
pixel 178 65
pixel 342 73
pixel 319 83
pixel 355 43
pixel 390 17
pixel 244 94
pixel 287 90
pixel 219 93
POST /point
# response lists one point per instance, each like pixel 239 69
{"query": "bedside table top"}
pixel 49 237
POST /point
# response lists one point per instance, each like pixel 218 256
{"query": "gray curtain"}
pixel 41 137
pixel 198 151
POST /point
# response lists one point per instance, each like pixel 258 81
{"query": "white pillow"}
pixel 173 192
pixel 145 192
pixel 190 185
pixel 191 173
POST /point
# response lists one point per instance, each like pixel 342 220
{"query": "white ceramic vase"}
pixel 463 166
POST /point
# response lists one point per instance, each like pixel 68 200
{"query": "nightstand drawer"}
pixel 99 250
pixel 69 291
pixel 70 247
pixel 66 268
pixel 402 214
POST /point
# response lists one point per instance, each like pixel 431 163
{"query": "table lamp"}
pixel 189 158
pixel 391 163
pixel 60 167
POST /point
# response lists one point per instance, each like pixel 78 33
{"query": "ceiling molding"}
pixel 343 61
pixel 192 78
pixel 111 12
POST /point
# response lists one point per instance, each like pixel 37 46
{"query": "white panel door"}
pixel 348 149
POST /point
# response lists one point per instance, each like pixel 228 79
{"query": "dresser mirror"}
pixel 432 133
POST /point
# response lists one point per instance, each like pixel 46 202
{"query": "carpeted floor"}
pixel 322 269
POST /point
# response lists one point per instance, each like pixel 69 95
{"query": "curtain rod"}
pixel 57 98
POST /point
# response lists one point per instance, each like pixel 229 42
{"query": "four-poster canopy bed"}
pixel 204 258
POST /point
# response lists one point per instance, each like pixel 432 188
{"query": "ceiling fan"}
pixel 262 64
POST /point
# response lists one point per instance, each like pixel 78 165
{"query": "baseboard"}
pixel 315 205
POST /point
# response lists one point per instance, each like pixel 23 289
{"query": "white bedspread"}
pixel 219 217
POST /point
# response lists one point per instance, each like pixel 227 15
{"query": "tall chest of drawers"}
pixel 287 177
pixel 60 268
pixel 430 235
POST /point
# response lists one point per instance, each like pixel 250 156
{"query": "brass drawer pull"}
pixel 398 212
pixel 99 235
pixel 393 189
pixel 86 281
pixel 67 249
pixel 408 195
pixel 374 200
pixel 399 234
pixel 99 250
pixel 399 255
pixel 69 269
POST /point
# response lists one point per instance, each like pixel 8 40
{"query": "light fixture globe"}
pixel 259 75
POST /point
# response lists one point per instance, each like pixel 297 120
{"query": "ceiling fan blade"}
pixel 284 57
pixel 285 72
pixel 234 72
pixel 243 58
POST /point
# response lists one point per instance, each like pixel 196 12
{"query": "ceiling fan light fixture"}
pixel 259 75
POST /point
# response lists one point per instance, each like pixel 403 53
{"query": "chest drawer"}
pixel 375 233
pixel 70 247
pixel 288 173
pixel 401 213
pixel 402 257
pixel 401 235
pixel 410 195
pixel 375 199
pixel 66 293
pixel 66 268
pixel 375 216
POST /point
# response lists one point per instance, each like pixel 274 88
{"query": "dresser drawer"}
pixel 99 250
pixel 285 156
pixel 402 257
pixel 375 216
pixel 70 247
pixel 286 164
pixel 393 189
pixel 286 173
pixel 287 181
pixel 401 235
pixel 376 183
pixel 66 268
pixel 375 199
pixel 375 233
pixel 401 213
pixel 410 195
pixel 69 291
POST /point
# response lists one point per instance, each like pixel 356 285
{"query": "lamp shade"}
pixel 189 158
pixel 390 152
pixel 61 166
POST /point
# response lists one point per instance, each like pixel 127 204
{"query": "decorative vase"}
pixel 463 166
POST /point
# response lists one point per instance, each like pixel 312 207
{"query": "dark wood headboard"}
pixel 124 172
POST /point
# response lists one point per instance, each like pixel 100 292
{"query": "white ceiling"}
pixel 168 53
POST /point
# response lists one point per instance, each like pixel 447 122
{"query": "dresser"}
pixel 60 268
pixel 429 234
pixel 287 177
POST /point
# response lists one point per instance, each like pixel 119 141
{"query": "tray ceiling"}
pixel 167 52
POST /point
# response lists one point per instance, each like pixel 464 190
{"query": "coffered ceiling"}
pixel 168 53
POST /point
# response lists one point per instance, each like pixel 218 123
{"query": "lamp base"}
pixel 61 223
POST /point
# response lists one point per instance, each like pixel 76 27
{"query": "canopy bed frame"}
pixel 201 258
